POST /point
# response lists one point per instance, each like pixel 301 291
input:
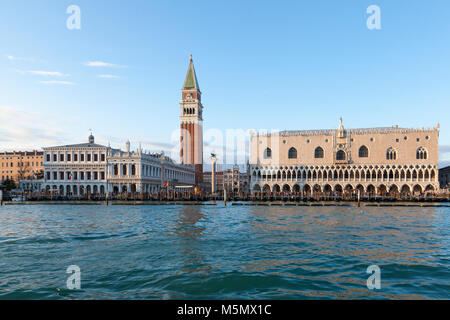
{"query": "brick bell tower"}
pixel 191 111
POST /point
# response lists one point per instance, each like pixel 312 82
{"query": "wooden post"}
pixel 359 198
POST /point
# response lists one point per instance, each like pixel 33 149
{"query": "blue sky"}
pixel 260 64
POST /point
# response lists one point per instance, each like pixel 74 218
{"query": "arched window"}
pixel 318 153
pixel 292 153
pixel 340 155
pixel 391 154
pixel 267 153
pixel 421 154
pixel 363 152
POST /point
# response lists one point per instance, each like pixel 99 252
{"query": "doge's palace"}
pixel 387 160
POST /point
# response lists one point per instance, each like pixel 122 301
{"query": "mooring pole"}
pixel 359 198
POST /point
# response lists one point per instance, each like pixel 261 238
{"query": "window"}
pixel 55 158
pixel 421 154
pixel 61 157
pixel 68 157
pixel 95 158
pixel 102 157
pixel 82 157
pixel 267 153
pixel 48 158
pixel 89 157
pixel 75 157
pixel 340 155
pixel 318 153
pixel 363 152
pixel 391 154
pixel 292 153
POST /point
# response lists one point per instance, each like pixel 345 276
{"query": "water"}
pixel 216 252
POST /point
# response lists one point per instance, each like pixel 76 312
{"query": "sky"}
pixel 286 65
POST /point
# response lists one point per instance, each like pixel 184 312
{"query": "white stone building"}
pixel 96 169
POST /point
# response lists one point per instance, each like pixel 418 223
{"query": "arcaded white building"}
pixel 85 168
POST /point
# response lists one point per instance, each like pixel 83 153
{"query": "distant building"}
pixel 235 181
pixel 219 181
pixel 388 160
pixel 21 165
pixel 141 172
pixel 90 168
pixel 444 177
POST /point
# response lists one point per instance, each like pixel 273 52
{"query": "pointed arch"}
pixel 340 155
pixel 391 154
pixel 318 153
pixel 267 153
pixel 363 152
pixel 292 153
pixel 421 153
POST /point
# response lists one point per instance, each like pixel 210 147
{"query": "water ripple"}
pixel 216 252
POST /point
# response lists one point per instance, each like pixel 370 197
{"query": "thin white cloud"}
pixel 58 82
pixel 14 58
pixel 101 64
pixel 108 76
pixel 24 130
pixel 45 73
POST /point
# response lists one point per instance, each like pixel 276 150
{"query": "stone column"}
pixel 213 173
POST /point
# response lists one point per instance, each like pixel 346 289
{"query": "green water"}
pixel 216 252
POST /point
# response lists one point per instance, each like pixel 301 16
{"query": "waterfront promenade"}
pixel 187 198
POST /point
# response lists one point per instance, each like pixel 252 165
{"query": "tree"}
pixel 9 184
pixel 23 172
pixel 38 175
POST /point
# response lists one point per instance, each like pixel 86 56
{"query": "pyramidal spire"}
pixel 191 77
